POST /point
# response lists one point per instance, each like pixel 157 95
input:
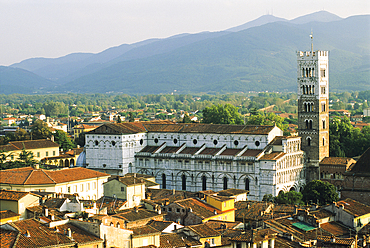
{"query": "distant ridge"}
pixel 257 22
pixel 258 58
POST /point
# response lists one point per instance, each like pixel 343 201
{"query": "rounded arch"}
pixel 292 189
pixel 66 163
pixel 72 162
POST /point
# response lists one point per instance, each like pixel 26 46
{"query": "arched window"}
pixel 183 182
pixel 323 124
pixel 323 141
pixel 310 124
pixel 204 183
pixel 308 141
pixel 247 184
pixel 163 181
pixel 118 225
pixel 225 183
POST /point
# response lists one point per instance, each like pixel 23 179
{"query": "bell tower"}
pixel 313 108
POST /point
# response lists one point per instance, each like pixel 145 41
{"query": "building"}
pixel 313 108
pixel 41 149
pixel 333 169
pixel 8 216
pixel 17 201
pixel 88 184
pixel 356 183
pixel 82 128
pixel 198 157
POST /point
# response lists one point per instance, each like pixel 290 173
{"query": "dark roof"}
pixel 204 230
pixel 144 230
pixel 7 214
pixel 159 225
pixel 354 207
pixel 8 238
pixel 199 208
pixel 251 210
pixel 54 202
pixel 78 235
pixel 177 240
pixel 337 161
pixel 135 214
pixel 362 166
pixel 232 192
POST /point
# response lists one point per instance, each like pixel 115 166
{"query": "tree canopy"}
pixel 320 192
pixel 40 130
pixel 222 114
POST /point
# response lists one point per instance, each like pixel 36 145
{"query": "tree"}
pixel 63 140
pixel 26 158
pixel 320 192
pixel 267 119
pixel 222 114
pixel 186 118
pixel 80 140
pixel 291 197
pixel 40 130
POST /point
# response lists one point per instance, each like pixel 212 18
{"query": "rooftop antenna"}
pixel 311 36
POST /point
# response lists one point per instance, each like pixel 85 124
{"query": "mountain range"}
pixel 257 56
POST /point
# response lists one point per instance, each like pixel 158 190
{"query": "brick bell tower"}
pixel 313 108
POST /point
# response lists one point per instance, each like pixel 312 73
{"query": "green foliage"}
pixel 319 192
pixel 63 140
pixel 186 118
pixel 268 198
pixel 291 197
pixel 26 158
pixel 80 140
pixel 345 140
pixel 267 119
pixel 40 130
pixel 222 114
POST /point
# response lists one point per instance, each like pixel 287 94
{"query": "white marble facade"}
pixel 198 157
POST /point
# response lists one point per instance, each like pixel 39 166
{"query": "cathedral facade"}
pixel 198 157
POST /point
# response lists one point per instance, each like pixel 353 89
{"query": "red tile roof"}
pixel 8 238
pixel 354 207
pixel 10 195
pixel 204 230
pixel 28 145
pixel 177 240
pixel 7 214
pixel 31 176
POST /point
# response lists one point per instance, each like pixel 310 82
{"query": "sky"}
pixel 54 28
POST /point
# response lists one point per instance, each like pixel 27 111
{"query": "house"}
pixel 251 238
pixel 192 211
pixel 332 170
pixel 351 213
pixel 40 148
pixel 203 233
pixel 88 184
pixel 82 128
pixel 17 201
pixel 32 233
pixel 8 121
pixel 129 187
pixel 8 216
pixel 145 236
pixel 253 213
pixel 132 218
pixel 64 159
pixel 357 180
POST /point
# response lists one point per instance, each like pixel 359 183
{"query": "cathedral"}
pixel 197 157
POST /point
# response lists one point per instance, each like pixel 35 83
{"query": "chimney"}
pixel 52 217
pixel 46 212
pixel 27 234
pixel 295 210
pixel 37 166
pixel 159 210
pixel 173 191
pixel 69 232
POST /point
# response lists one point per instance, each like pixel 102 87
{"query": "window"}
pixel 156 140
pixel 94 185
pixel 88 187
pixel 69 189
pixel 163 181
pixel 183 182
pixel 323 107
pixel 322 73
pixel 75 189
pixel 215 142
pixel 204 183
pixel 47 154
pixel 38 154
pixel 257 143
pixel 236 142
pixel 122 189
pixel 82 187
pixel 323 141
pixel 175 141
pixel 323 124
pixel 177 210
pixel 225 182
pixel 308 141
pixel 169 209
pixel 195 141
pixel 323 90
pixel 247 184
pixel 53 153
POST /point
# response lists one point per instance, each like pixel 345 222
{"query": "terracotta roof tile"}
pixel 199 208
pixel 230 152
pixel 132 215
pixel 337 161
pixel 204 230
pixel 354 207
pixel 210 151
pixel 7 214
pixel 335 228
pixel 30 176
pixel 144 230
pixel 362 165
pixel 273 156
pixel 28 145
pixel 8 238
pixel 11 195
pixel 251 153
pixel 80 236
pixel 177 240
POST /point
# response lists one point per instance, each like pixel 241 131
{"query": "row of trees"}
pixel 315 192
pixel 39 130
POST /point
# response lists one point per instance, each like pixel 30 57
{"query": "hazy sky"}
pixel 54 28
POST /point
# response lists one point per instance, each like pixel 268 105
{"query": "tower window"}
pixel 183 179
pixel 323 141
pixel 323 90
pixel 323 124
pixel 322 73
pixel 225 183
pixel 204 182
pixel 323 107
pixel 308 141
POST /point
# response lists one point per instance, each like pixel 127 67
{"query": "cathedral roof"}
pixel 166 127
